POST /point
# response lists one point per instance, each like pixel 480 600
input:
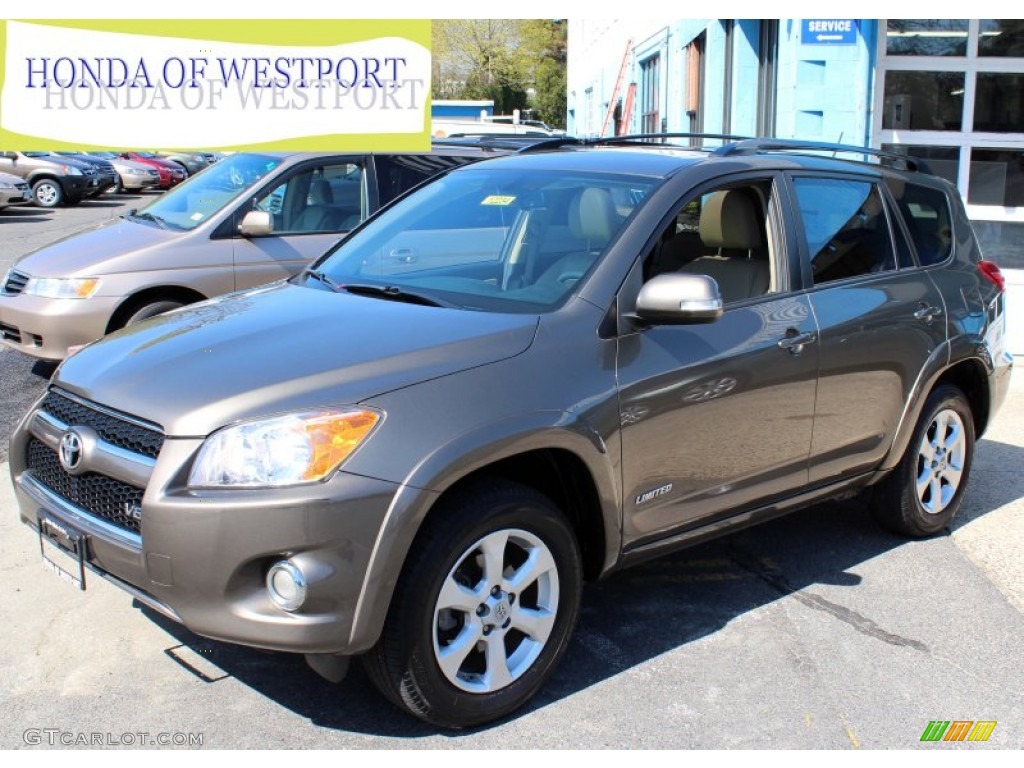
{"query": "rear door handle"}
pixel 927 312
pixel 795 341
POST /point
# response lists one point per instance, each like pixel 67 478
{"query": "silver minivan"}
pixel 250 219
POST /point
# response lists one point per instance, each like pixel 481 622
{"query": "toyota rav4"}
pixel 528 373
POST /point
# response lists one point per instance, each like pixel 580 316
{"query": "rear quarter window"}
pixel 928 217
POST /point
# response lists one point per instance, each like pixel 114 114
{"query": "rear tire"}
pixel 922 495
pixel 484 609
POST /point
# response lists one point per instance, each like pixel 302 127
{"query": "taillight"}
pixel 991 271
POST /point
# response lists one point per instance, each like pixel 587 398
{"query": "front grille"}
pixel 99 495
pixel 120 432
pixel 15 282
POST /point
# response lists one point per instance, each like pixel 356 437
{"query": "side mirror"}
pixel 678 299
pixel 9 155
pixel 256 224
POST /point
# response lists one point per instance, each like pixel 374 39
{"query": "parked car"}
pixel 192 162
pixel 171 173
pixel 247 220
pixel 13 190
pixel 528 373
pixel 131 176
pixel 54 179
pixel 106 176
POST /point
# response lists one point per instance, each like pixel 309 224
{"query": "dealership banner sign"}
pixel 357 85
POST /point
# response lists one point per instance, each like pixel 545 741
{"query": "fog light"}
pixel 287 585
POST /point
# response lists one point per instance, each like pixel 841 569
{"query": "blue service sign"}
pixel 828 31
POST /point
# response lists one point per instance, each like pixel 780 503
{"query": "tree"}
pixel 503 60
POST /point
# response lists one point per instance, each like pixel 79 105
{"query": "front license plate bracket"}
pixel 59 535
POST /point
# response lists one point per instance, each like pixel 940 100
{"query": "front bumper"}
pixel 15 196
pixel 45 328
pixel 202 557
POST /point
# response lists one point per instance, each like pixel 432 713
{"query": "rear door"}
pixel 880 318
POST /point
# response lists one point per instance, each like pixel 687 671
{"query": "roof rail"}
pixel 639 139
pixel 647 137
pixel 511 141
pixel 758 146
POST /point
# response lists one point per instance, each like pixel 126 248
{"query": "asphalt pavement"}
pixel 818 630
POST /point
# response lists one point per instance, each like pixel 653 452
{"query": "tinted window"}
pixel 845 226
pixel 926 212
pixel 398 173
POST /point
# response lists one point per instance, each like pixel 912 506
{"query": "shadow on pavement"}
pixel 24 213
pixel 634 615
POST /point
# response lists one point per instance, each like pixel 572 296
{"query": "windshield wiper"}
pixel 394 293
pixel 317 274
pixel 145 216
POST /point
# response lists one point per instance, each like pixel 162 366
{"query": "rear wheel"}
pixel 923 494
pixel 484 609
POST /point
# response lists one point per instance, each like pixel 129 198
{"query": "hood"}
pixel 104 250
pixel 282 348
pixel 135 164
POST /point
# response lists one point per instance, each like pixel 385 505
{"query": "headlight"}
pixel 6 185
pixel 284 450
pixel 70 170
pixel 62 287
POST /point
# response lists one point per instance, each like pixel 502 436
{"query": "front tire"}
pixel 47 193
pixel 149 310
pixel 923 494
pixel 484 609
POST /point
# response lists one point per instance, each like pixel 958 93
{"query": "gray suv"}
pixel 525 375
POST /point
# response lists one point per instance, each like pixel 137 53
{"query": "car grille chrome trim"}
pixel 89 524
pixel 107 459
pixel 99 496
pixel 119 429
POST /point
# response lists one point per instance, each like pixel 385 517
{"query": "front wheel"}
pixel 484 609
pixel 152 309
pixel 921 496
pixel 47 193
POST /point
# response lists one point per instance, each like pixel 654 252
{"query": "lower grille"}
pixel 104 497
pixel 10 333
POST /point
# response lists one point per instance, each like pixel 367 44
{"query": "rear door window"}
pixel 845 228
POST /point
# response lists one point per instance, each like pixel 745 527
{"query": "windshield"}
pixel 494 240
pixel 190 204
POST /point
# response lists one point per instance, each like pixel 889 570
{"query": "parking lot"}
pixel 818 630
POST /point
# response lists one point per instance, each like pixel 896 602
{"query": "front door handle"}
pixel 927 312
pixel 795 341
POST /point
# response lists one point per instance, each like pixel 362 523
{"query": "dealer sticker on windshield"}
pixel 499 200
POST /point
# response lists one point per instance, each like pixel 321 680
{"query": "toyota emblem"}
pixel 70 452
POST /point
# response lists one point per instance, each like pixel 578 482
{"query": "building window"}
pixel 997 177
pixel 926 37
pixel 999 103
pixel 650 86
pixel 1001 37
pixel 924 101
pixel 942 161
